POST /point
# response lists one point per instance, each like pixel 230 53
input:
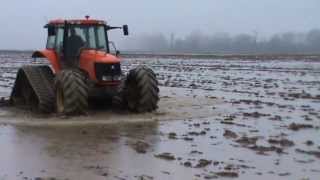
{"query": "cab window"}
pixel 51 41
pixel 59 40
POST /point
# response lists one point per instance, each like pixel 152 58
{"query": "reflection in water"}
pixel 93 152
pixel 33 150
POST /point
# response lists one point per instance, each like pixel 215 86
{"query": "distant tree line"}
pixel 197 42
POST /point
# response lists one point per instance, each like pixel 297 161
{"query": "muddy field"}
pixel 233 118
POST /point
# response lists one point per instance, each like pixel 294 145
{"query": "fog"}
pixel 224 43
pixel 22 21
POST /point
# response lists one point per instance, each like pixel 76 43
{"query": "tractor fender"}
pixel 51 56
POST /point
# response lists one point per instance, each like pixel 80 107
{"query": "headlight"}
pixel 111 78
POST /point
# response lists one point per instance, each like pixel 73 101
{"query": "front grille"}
pixel 110 71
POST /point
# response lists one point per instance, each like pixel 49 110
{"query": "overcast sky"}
pixel 22 20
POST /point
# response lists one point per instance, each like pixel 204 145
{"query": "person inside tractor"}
pixel 74 45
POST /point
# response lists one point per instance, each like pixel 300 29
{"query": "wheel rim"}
pixel 60 100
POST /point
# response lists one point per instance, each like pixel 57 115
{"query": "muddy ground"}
pixel 218 119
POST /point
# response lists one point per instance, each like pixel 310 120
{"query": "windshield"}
pixel 89 37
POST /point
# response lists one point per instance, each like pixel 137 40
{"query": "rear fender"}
pixel 51 56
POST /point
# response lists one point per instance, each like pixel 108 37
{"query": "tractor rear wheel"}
pixel 141 92
pixel 33 89
pixel 71 92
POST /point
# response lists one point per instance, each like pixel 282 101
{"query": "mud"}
pixel 227 174
pixel 297 127
pixel 282 142
pixel 178 107
pixel 165 156
pixel 230 118
pixel 203 163
pixel 230 134
pixel 140 146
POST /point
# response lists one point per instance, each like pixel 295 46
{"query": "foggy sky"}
pixel 22 21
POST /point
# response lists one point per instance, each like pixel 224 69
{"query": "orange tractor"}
pixel 82 68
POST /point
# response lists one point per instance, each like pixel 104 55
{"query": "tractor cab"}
pixel 82 44
pixel 70 37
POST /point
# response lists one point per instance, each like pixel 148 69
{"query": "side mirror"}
pixel 125 30
pixel 51 31
pixel 117 53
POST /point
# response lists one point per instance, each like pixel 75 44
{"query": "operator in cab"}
pixel 74 45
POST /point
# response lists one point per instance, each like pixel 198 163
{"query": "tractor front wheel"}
pixel 141 92
pixel 71 92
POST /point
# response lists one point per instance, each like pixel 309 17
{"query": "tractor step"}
pixel 40 81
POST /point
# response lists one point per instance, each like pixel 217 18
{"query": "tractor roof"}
pixel 86 21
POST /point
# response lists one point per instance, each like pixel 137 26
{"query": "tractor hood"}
pixel 99 56
pixel 107 58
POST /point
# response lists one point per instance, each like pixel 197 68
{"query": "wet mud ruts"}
pixel 220 117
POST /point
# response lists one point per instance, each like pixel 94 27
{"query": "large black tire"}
pixel 71 92
pixel 141 92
